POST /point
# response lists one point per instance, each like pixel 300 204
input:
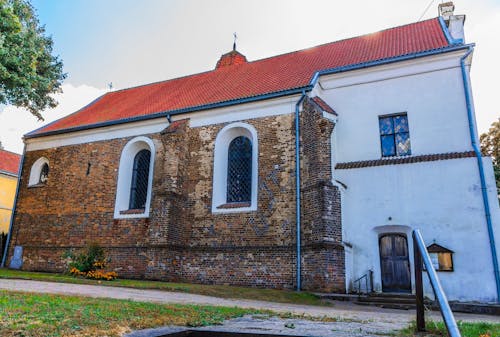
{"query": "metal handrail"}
pixel 421 254
pixel 365 277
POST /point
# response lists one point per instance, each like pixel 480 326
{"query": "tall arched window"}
pixel 139 184
pixel 236 169
pixel 239 170
pixel 135 179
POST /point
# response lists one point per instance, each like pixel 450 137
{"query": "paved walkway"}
pixel 344 310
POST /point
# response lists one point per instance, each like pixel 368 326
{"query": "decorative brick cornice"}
pixel 404 160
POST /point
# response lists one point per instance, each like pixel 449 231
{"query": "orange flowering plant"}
pixel 90 263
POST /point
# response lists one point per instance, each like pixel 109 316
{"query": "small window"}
pixel 44 174
pixel 39 174
pixel 394 135
pixel 140 177
pixel 441 257
pixel 239 170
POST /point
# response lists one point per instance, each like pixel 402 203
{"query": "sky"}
pixel 130 42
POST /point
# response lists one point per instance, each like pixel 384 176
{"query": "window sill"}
pixel 37 185
pixel 133 211
pixel 233 205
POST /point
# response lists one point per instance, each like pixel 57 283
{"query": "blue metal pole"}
pixel 20 172
pixel 297 183
pixel 477 151
pixel 448 318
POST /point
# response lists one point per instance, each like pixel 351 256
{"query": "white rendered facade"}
pixel 442 198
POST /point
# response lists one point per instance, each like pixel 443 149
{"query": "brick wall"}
pixel 182 240
pixel 323 253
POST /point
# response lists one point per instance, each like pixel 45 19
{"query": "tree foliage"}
pixel 29 73
pixel 490 146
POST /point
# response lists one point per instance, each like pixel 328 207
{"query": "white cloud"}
pixel 15 122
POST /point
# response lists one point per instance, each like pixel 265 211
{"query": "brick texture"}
pixel 182 240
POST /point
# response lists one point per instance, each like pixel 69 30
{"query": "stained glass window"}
pixel 239 170
pixel 394 135
pixel 140 180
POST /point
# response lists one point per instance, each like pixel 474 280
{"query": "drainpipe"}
pixel 484 191
pixel 297 183
pixel 20 172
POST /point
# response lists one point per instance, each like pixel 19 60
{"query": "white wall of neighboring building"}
pixel 441 198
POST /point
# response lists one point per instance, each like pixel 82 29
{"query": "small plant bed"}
pixel 89 263
pixel 26 314
pixel 467 329
pixel 271 295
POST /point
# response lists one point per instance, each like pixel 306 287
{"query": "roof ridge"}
pixel 271 57
pixel 342 40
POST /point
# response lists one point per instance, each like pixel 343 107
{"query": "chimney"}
pixel 455 23
pixel 232 58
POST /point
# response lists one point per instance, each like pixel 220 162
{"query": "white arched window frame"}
pixel 36 170
pixel 224 138
pixel 125 172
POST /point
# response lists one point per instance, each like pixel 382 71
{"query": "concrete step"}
pixel 387 299
pixel 387 305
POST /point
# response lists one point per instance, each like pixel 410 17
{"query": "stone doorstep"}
pixel 465 307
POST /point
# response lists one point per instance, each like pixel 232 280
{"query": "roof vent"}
pixel 230 59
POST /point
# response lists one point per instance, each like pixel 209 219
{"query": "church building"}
pixel 304 170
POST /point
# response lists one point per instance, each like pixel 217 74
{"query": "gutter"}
pixel 484 191
pixel 167 114
pixel 9 234
pixel 297 185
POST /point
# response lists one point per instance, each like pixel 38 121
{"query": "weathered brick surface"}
pixel 182 240
pixel 323 256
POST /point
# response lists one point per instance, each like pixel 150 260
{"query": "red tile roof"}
pixel 250 79
pixel 9 162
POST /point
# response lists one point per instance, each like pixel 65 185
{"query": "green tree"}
pixel 490 146
pixel 29 73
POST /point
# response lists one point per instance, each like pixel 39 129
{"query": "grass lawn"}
pixel 272 295
pixel 480 329
pixel 26 314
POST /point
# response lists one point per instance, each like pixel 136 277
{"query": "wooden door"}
pixel 394 263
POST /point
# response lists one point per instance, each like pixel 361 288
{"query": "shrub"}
pixel 89 263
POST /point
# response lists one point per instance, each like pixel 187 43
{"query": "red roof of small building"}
pixel 9 162
pixel 242 79
pixel 323 105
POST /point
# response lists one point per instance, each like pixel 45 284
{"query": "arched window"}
pixel 235 169
pixel 139 184
pixel 44 174
pixel 239 170
pixel 39 174
pixel 135 179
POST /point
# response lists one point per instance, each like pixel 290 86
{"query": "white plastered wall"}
pixel 441 198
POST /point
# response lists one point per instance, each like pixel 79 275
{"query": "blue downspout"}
pixel 477 151
pixel 20 171
pixel 297 183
